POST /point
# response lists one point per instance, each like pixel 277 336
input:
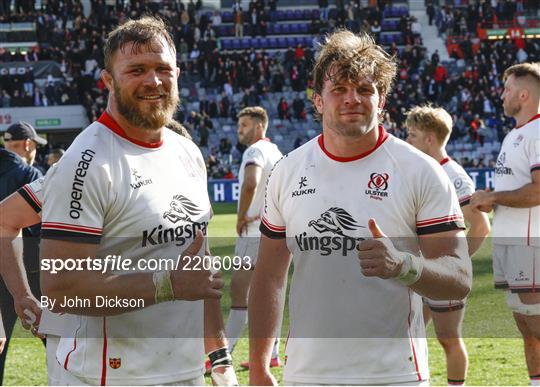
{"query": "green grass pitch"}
pixel 495 349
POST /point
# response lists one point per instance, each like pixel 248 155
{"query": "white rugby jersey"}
pixel 50 323
pixel 139 201
pixel 346 328
pixel 462 182
pixel 264 154
pixel 519 156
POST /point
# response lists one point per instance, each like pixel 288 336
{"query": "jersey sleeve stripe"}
pixel 442 219
pixel 70 236
pixel 30 198
pixel 252 163
pixel 271 234
pixel 535 167
pixel 71 227
pixel 441 227
pixel 465 200
pixel 273 227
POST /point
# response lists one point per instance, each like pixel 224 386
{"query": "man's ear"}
pixel 317 101
pixel 107 78
pixel 27 145
pixel 524 94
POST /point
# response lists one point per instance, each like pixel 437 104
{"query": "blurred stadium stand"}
pixel 50 55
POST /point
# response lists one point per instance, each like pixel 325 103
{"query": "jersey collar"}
pixel 535 117
pixel 444 161
pixel 109 122
pixel 383 135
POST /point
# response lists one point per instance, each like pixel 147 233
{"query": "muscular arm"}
pixel 447 268
pixel 15 214
pixel 479 227
pixel 87 284
pixel 214 329
pixel 265 305
pixel 447 272
pixel 187 285
pixel 252 178
pixel 524 197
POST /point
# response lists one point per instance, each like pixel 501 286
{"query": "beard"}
pixel 150 117
pixel 353 129
pixel 512 110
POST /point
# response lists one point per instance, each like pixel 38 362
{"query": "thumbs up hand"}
pixel 378 256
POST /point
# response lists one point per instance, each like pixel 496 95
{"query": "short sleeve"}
pixel 533 151
pixel 75 198
pixel 253 156
pixel 32 193
pixel 438 208
pixel 272 223
pixel 464 187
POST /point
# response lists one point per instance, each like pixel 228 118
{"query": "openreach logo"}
pixel 75 207
pixel 334 222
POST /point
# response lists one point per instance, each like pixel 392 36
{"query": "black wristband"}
pixel 220 357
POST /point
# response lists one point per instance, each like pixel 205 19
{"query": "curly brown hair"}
pixel 141 32
pixel 345 56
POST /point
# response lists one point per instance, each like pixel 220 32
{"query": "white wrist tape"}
pixel 411 269
pixel 163 286
pixel 228 378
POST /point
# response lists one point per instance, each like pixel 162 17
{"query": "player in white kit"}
pixel 355 309
pixel 19 210
pixel 257 162
pixel 131 188
pixel 516 205
pixel 429 129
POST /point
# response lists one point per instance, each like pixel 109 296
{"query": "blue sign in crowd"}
pixel 221 191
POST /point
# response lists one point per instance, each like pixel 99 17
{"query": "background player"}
pixel 516 205
pixel 257 162
pixel 429 129
pixel 351 324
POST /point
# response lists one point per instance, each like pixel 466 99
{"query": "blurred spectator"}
pixel 239 23
pixel 229 175
pixel 225 146
pixel 299 106
pixel 54 155
pixel 283 109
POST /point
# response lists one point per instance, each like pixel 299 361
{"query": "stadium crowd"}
pixel 468 87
